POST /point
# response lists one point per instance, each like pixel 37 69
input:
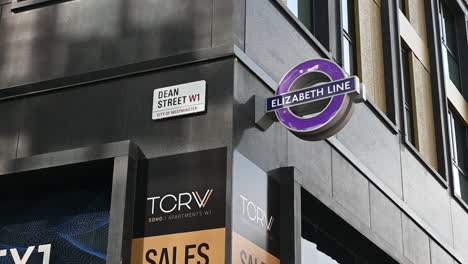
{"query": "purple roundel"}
pixel 338 107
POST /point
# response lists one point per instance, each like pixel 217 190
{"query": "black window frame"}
pixel 458 168
pixel 324 36
pixel 407 91
pixel 23 5
pixel 348 34
pixel 438 77
pixel 459 13
pixel 445 11
pixel 402 4
pixel 441 173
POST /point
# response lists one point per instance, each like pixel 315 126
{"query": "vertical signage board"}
pixel 256 216
pixel 180 209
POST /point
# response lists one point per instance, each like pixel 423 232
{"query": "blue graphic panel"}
pixel 72 216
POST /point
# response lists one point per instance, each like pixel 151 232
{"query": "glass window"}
pixel 407 92
pixel 449 41
pixel 459 153
pixel 327 239
pixel 314 15
pixel 347 11
pixel 318 248
pixel 402 5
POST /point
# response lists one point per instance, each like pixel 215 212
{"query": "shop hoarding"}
pixel 256 215
pixel 180 209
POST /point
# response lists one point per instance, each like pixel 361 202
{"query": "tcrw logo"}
pixel 256 214
pixel 175 202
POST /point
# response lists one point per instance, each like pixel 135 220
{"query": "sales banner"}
pixel 180 209
pixel 256 218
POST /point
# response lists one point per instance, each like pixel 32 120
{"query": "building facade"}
pixel 90 176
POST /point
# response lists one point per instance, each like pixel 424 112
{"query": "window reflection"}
pixel 328 239
pixel 314 16
pixel 347 12
pixel 449 41
pixel 320 248
pixel 312 255
pixel 292 5
pixel 459 153
pixel 407 91
pixel 344 13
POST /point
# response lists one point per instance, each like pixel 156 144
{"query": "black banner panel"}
pixel 58 215
pixel 256 218
pixel 180 209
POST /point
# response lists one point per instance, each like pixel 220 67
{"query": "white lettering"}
pixel 186 203
pixel 152 203
pixel 17 259
pixel 260 216
pixel 273 102
pixel 243 203
pixel 347 85
pixel 46 250
pixel 249 205
pixel 301 96
pixel 181 201
pixel 162 201
pixel 202 202
pixel 295 99
pixel 320 92
pixel 256 214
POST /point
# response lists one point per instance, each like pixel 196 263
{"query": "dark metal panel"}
pixel 286 46
pixel 21 5
pixel 122 210
pixel 265 148
pixel 11 120
pixel 239 23
pixel 121 109
pixel 79 36
pixel 6 167
pixel 229 202
pixel 73 118
pixel 291 216
pixel 117 72
pixel 415 242
pixel 386 219
pixel 423 194
pixel 223 22
pixel 211 129
pixel 374 145
pixel 70 156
